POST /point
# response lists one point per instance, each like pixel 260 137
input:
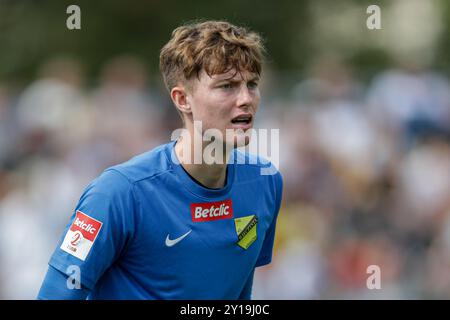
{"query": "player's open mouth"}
pixel 243 119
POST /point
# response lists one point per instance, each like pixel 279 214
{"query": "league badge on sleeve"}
pixel 246 230
pixel 81 235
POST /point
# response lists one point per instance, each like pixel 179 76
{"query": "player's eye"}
pixel 227 85
pixel 252 85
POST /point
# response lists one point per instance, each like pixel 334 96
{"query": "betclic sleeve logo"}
pixel 81 235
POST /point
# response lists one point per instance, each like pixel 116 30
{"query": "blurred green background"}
pixel 296 31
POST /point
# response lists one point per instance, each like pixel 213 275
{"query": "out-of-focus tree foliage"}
pixel 34 31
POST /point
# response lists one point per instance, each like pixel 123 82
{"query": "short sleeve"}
pixel 265 256
pixel 99 230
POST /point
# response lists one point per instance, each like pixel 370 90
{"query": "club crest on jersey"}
pixel 246 230
pixel 81 235
pixel 209 211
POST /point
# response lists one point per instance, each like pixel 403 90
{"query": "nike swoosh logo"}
pixel 173 242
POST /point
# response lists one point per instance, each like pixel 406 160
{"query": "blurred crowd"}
pixel 366 170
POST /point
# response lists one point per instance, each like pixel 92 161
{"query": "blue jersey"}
pixel 145 229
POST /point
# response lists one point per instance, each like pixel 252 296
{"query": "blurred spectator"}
pixel 127 122
pixel 410 102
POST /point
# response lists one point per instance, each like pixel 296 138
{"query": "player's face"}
pixel 226 101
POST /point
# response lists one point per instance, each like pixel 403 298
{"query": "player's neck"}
pixel 209 175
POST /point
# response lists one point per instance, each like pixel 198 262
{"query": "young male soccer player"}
pixel 161 226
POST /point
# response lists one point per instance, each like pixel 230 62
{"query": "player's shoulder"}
pixel 252 166
pixel 143 166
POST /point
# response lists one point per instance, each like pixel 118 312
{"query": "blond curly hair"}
pixel 213 46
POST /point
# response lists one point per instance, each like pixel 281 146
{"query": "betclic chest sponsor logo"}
pixel 210 211
pixel 81 235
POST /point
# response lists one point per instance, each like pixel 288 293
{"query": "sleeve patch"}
pixel 81 235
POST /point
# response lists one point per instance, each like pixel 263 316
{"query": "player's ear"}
pixel 179 97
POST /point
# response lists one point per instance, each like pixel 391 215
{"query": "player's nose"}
pixel 245 97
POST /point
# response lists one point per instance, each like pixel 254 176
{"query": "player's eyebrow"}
pixel 254 79
pixel 224 77
pixel 221 78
